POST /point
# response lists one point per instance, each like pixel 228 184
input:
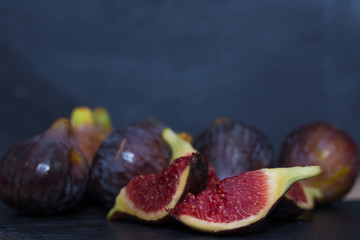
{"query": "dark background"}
pixel 273 64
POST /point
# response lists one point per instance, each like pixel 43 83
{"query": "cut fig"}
pixel 297 201
pixel 181 147
pixel 212 178
pixel 238 202
pixel 148 197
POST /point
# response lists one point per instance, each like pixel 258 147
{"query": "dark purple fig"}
pixel 46 174
pixel 234 147
pixel 331 148
pixel 126 153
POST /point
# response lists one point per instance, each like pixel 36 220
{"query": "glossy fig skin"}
pixel 234 147
pixel 328 146
pixel 46 174
pixel 134 150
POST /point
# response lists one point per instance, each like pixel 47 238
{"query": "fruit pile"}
pixel 147 172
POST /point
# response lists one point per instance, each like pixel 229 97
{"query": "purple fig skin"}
pixel 46 174
pixel 136 149
pixel 234 147
pixel 328 146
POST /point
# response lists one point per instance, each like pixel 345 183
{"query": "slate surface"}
pixel 340 221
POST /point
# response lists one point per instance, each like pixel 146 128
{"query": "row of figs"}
pixel 225 179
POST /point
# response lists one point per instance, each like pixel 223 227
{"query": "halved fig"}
pixel 148 197
pixel 238 202
pixel 180 146
pixel 297 201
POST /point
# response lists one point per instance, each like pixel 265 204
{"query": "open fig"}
pixel 46 174
pixel 330 147
pixel 180 146
pixel 90 131
pixel 126 153
pixel 296 202
pixel 238 202
pixel 234 147
pixel 148 197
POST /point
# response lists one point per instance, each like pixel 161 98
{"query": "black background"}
pixel 273 64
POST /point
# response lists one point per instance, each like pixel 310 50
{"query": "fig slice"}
pixel 181 147
pixel 296 202
pixel 148 197
pixel 238 202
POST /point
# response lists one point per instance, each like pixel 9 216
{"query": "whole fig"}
pixel 126 153
pixel 234 147
pixel 46 174
pixel 328 146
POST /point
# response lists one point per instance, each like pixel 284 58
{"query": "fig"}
pixel 90 131
pixel 148 197
pixel 126 153
pixel 234 147
pixel 213 179
pixel 180 146
pixel 102 120
pixel 330 147
pixel 238 202
pixel 46 174
pixel 296 202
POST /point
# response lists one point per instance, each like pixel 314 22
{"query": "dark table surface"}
pixel 340 221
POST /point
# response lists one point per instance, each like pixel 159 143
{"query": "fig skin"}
pixel 46 174
pixel 330 147
pixel 234 147
pixel 136 149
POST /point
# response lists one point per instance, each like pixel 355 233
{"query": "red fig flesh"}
pixel 238 202
pixel 148 197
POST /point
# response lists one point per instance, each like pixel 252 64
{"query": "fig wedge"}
pixel 296 202
pixel 238 202
pixel 148 197
pixel 181 147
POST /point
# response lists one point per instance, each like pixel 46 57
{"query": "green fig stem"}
pixel 179 147
pixel 82 116
pixel 102 119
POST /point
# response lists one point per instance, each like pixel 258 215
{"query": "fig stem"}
pixel 179 147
